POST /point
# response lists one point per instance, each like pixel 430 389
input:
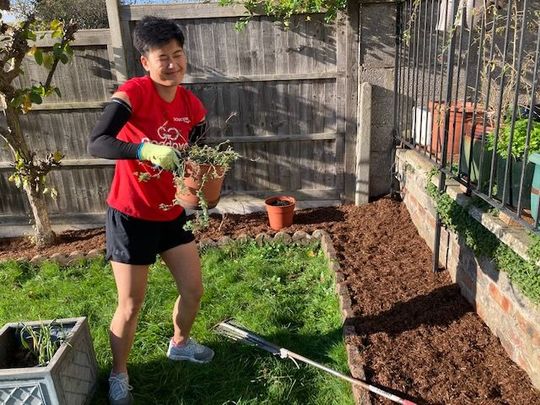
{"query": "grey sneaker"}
pixel 191 351
pixel 119 389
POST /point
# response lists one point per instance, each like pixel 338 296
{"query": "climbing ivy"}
pixel 523 274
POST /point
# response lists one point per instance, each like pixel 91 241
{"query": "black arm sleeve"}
pixel 103 142
pixel 197 133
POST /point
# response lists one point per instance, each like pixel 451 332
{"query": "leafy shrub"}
pixel 518 139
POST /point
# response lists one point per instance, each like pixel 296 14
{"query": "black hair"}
pixel 152 32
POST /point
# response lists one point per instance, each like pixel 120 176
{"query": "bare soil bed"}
pixel 415 332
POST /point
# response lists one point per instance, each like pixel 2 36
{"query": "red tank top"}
pixel 152 120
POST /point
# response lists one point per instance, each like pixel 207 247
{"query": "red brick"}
pixel 515 339
pixel 529 329
pixel 499 298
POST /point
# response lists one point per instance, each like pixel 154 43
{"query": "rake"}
pixel 238 333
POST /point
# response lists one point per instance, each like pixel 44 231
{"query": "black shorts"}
pixel 137 241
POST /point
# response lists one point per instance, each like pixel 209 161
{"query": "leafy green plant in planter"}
pixel 517 154
pixel 42 342
pixel 201 166
pixel 518 139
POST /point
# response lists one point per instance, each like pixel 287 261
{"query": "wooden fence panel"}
pixel 291 92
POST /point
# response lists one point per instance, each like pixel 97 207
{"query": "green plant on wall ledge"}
pixel 284 10
pixel 523 274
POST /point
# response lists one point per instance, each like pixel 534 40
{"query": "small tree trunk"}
pixel 43 232
pixel 44 235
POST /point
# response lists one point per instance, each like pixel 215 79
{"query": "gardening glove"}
pixel 160 155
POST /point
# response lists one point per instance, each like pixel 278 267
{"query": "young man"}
pixel 147 120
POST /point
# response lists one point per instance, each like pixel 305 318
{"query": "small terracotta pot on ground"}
pixel 211 186
pixel 280 211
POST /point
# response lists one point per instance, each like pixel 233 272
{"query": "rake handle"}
pixel 369 387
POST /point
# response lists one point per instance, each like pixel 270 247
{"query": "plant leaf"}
pixel 38 56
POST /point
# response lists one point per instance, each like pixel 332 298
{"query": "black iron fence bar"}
pixel 398 66
pixel 426 106
pixel 465 96
pixel 442 177
pixel 529 126
pixel 515 113
pixel 408 87
pixel 435 58
pixel 404 59
pixel 460 17
pixel 440 106
pixel 499 107
pixel 397 70
pixel 416 70
pixel 416 63
pixel 419 120
pixel 488 71
pixel 480 51
pixel 403 69
pixel 516 66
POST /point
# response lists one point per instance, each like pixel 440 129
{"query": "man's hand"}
pixel 160 155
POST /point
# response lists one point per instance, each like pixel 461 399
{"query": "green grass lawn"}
pixel 282 293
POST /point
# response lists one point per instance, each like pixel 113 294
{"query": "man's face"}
pixel 166 64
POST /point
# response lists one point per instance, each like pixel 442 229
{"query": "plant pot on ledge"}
pixel 67 378
pixel 280 211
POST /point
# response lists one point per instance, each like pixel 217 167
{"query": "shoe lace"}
pixel 119 386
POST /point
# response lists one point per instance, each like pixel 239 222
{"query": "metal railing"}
pixel 467 96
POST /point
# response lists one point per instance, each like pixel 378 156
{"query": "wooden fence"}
pixel 294 92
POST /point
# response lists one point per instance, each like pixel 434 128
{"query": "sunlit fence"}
pixel 467 96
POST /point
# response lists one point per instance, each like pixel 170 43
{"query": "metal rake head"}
pixel 234 331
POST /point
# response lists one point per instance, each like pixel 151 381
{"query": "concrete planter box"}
pixel 69 378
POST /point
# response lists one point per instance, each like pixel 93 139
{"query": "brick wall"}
pixel 511 317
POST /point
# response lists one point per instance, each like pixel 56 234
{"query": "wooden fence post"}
pixel 363 145
pixel 119 65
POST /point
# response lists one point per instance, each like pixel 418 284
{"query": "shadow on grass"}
pixel 241 374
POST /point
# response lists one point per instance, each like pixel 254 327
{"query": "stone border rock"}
pixel 66 260
pixel 301 238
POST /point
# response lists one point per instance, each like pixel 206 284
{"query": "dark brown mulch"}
pixel 415 332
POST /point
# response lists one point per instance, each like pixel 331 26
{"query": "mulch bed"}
pixel 414 332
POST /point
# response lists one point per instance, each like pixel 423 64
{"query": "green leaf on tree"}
pixel 57 34
pixel 57 156
pixel 68 50
pixel 48 60
pixel 56 24
pixel 38 56
pixel 35 98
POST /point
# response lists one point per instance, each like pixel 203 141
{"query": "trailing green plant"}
pixel 43 341
pixel 519 138
pixel 284 10
pixel 219 158
pixel 524 274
